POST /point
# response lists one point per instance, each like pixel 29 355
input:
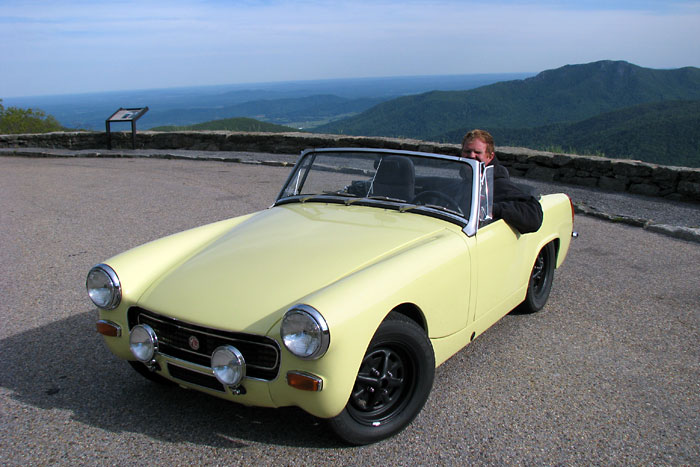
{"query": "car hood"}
pixel 248 277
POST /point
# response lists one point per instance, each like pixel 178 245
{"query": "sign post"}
pixel 125 115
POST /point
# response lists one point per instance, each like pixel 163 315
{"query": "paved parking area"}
pixel 608 373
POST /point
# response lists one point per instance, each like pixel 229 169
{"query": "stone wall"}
pixel 677 183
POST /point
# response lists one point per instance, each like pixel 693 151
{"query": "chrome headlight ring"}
pixel 305 332
pixel 228 365
pixel 143 343
pixel 103 287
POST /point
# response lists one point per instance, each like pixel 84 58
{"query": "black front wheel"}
pixel 541 279
pixel 392 385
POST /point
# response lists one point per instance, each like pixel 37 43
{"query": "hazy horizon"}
pixel 195 104
pixel 276 84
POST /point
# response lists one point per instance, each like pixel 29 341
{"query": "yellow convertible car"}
pixel 371 268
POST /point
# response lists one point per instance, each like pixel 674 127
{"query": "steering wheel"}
pixel 434 197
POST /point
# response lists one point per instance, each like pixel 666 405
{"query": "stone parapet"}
pixel 678 183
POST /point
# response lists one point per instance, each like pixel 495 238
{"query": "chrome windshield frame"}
pixel 469 225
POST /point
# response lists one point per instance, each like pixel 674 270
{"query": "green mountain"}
pixel 564 95
pixel 665 133
pixel 230 124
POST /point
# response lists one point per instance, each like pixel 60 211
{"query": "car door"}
pixel 500 257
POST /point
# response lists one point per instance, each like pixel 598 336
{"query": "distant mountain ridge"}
pixel 299 111
pixel 196 104
pixel 612 108
pixel 230 124
pixel 567 94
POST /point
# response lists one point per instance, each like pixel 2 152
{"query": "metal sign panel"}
pixel 125 115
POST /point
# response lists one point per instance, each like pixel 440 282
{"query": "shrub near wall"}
pixel 677 183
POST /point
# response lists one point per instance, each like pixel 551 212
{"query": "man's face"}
pixel 477 149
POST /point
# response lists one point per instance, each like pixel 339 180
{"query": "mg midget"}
pixel 371 268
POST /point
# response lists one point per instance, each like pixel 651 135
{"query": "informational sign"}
pixel 125 115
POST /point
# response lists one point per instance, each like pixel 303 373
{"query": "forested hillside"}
pixel 665 133
pixel 566 95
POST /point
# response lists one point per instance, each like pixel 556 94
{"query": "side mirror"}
pixel 485 194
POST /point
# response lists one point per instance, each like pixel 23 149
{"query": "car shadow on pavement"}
pixel 65 365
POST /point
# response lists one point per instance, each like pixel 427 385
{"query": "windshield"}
pixel 404 181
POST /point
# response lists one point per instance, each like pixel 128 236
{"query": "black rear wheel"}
pixel 392 385
pixel 541 279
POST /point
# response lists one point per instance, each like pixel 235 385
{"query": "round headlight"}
pixel 228 365
pixel 143 342
pixel 103 287
pixel 305 333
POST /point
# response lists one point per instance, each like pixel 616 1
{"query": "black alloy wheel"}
pixel 392 385
pixel 541 279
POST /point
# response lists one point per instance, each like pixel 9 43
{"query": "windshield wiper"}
pixel 340 193
pixel 345 194
pixel 306 198
pixel 386 198
pixel 405 205
pixel 330 193
pixel 439 208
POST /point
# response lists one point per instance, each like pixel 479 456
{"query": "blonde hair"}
pixel 483 135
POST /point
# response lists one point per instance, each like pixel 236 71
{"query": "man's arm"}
pixel 523 214
pixel 519 209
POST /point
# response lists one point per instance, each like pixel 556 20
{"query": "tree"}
pixel 14 120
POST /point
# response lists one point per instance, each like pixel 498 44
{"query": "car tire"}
pixel 392 385
pixel 540 283
pixel 143 370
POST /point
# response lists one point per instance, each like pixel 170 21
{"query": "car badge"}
pixel 194 342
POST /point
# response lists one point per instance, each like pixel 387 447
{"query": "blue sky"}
pixel 72 46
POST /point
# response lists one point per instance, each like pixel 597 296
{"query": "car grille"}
pixel 261 353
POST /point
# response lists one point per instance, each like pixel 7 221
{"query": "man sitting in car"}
pixel 518 208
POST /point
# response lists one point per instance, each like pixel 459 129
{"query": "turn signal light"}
pixel 107 328
pixel 304 381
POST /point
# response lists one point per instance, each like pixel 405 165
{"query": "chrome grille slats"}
pixel 261 353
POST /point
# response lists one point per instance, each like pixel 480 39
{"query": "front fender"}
pixel 355 306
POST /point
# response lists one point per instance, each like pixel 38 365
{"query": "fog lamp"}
pixel 143 342
pixel 228 365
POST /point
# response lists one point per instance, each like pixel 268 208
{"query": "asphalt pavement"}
pixel 608 373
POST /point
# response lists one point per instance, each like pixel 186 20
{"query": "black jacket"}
pixel 519 209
